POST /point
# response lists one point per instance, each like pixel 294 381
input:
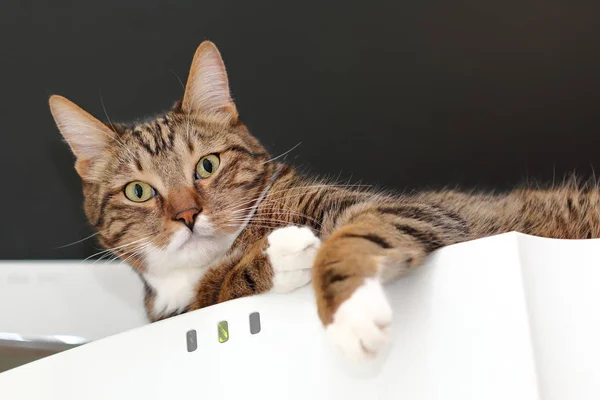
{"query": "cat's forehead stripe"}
pixel 160 135
pixel 155 137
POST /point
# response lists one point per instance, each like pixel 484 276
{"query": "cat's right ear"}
pixel 207 88
pixel 86 135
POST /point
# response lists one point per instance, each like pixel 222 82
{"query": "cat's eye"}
pixel 207 166
pixel 139 192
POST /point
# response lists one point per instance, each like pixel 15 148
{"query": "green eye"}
pixel 207 166
pixel 139 192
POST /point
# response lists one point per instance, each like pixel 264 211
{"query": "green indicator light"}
pixel 223 329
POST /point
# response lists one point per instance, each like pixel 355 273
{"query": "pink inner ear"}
pixel 90 141
pixel 87 136
pixel 208 87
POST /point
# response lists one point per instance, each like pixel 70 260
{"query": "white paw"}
pixel 292 251
pixel 360 325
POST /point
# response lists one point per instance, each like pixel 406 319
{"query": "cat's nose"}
pixel 188 217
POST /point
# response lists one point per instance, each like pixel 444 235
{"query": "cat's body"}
pixel 194 203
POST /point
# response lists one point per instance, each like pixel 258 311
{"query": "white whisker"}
pixel 78 241
pixel 115 248
pixel 114 130
pixel 283 154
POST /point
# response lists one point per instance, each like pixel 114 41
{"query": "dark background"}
pixel 405 94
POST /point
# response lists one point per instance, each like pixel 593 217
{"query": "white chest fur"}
pixel 175 271
pixel 175 275
pixel 175 289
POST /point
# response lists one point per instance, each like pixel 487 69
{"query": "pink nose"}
pixel 188 217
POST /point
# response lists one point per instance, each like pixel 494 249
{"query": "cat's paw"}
pixel 292 251
pixel 361 324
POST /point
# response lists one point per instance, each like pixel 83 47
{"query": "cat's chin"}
pixel 186 250
pixel 199 248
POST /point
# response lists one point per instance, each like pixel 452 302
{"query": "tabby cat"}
pixel 198 208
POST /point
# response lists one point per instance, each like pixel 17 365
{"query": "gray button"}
pixel 192 341
pixel 254 323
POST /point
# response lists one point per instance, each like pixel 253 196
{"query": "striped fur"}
pixel 366 235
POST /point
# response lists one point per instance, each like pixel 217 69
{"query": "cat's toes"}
pixel 291 240
pixel 292 248
pixel 360 325
pixel 292 251
pixel 288 281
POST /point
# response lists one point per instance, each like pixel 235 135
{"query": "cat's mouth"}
pixel 186 238
pixel 204 237
pixel 202 233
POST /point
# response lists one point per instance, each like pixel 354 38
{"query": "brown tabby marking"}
pixel 365 234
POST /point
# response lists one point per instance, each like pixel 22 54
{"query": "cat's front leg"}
pixel 349 271
pixel 279 262
pixel 350 298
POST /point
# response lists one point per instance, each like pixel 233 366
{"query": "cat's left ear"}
pixel 207 88
pixel 87 136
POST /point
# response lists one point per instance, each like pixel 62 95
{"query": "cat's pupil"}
pixel 207 165
pixel 138 190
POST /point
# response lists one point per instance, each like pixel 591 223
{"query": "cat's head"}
pixel 174 191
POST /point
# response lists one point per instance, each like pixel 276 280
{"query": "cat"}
pixel 195 204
